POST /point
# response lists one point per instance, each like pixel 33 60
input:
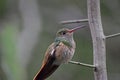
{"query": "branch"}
pixel 82 64
pixel 113 35
pixel 99 48
pixel 73 21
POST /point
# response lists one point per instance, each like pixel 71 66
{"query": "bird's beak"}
pixel 76 28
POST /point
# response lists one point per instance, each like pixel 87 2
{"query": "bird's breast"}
pixel 63 54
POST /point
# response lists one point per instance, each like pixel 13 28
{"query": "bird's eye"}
pixel 63 33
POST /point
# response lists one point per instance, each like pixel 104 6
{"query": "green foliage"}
pixel 105 10
pixel 12 66
pixel 2 7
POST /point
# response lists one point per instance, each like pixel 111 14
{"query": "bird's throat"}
pixel 65 41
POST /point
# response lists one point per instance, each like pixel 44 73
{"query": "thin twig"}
pixel 113 35
pixel 73 21
pixel 82 64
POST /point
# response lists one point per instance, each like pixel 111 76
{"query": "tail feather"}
pixel 48 66
pixel 47 69
pixel 51 70
pixel 45 72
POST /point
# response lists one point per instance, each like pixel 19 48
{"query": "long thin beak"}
pixel 76 28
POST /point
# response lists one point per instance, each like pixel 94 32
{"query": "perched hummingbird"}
pixel 60 51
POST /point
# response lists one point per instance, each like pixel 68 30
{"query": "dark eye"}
pixel 63 33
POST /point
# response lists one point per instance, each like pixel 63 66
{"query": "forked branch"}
pixel 98 38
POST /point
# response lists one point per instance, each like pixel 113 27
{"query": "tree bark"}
pixel 98 38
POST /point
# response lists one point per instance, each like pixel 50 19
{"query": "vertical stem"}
pixel 98 38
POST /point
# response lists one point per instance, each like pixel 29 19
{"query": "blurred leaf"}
pixel 10 61
pixel 105 10
pixel 2 7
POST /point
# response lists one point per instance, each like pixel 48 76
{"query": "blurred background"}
pixel 28 27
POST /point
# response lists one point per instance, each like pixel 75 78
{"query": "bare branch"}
pixel 82 64
pixel 99 48
pixel 74 21
pixel 113 35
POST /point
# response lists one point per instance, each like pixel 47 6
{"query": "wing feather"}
pixel 50 63
pixel 47 64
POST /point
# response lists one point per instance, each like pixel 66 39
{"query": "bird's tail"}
pixel 45 72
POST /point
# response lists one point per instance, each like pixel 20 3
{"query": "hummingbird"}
pixel 60 51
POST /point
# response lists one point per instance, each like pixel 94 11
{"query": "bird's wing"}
pixel 47 66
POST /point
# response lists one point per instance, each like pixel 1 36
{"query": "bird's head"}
pixel 67 33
